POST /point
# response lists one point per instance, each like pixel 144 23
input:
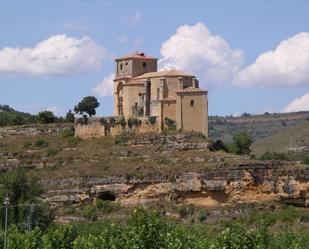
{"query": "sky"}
pixel 252 56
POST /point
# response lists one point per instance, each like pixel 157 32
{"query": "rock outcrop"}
pixel 224 186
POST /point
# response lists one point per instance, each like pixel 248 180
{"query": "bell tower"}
pixel 132 65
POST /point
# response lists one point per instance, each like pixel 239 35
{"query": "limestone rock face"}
pixel 222 186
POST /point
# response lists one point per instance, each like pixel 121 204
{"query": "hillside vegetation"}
pixel 293 141
pixel 9 116
pixel 259 126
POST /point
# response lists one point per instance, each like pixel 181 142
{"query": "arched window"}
pixel 192 103
pixel 144 65
pixel 120 66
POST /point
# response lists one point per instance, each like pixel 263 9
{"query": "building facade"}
pixel 140 90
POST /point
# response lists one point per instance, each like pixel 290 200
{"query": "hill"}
pixel 9 116
pixel 259 126
pixel 294 141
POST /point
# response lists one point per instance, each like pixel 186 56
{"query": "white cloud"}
pixel 287 65
pixel 195 49
pixel 123 39
pixel 58 55
pixel 298 104
pixel 105 88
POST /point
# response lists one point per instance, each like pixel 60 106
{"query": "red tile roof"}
pixel 136 55
pixel 191 89
pixel 168 99
pixel 169 73
pixel 135 81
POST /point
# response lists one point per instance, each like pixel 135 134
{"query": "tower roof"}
pixel 191 89
pixel 136 55
pixel 169 73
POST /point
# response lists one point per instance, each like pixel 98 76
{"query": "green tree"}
pixel 70 117
pixel 46 117
pixel 25 209
pixel 87 105
pixel 241 143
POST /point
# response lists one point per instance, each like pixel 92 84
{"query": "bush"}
pixel 67 133
pixel 46 117
pixel 185 211
pixel 40 143
pixel 219 145
pixel 73 141
pixel 24 193
pixel 51 152
pixel 90 212
pixel 241 143
pixel 170 123
pixel 70 118
pixel 202 216
pixel 152 119
pixel 306 160
pixel 122 122
pixel 274 156
pixel 122 138
pixel 27 145
pixel 104 206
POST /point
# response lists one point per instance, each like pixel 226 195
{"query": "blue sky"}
pixel 218 41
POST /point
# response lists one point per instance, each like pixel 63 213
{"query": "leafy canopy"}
pixel 87 105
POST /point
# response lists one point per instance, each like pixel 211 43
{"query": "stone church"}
pixel 140 90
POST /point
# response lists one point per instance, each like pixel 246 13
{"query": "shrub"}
pixel 90 212
pixel 122 122
pixel 219 145
pixel 202 216
pixel 67 133
pixel 51 152
pixel 40 143
pixel 46 117
pixel 274 156
pixel 27 145
pixel 170 123
pixel 69 117
pixel 306 160
pixel 24 195
pixel 112 121
pixel 185 211
pixel 122 138
pixel 103 121
pixel 152 119
pixel 104 206
pixel 73 141
pixel 241 143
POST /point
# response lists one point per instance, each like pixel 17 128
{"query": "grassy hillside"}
pixel 9 116
pixel 294 141
pixel 259 126
pixel 57 156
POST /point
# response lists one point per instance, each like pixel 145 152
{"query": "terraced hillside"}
pixel 293 141
pixel 259 126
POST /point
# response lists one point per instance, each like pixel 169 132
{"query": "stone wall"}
pixel 98 127
pixel 33 130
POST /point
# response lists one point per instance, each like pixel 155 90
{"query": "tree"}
pixel 242 142
pixel 46 117
pixel 87 105
pixel 70 117
pixel 25 209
